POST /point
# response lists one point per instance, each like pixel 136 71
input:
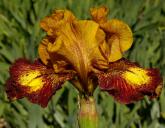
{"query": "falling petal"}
pixel 128 82
pixel 35 81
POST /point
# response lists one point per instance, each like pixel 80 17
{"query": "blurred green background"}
pixel 20 35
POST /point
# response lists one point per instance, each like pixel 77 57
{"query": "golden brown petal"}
pixel 99 14
pixel 119 38
pixel 121 30
pixel 58 62
pixel 83 45
pixel 128 82
pixel 42 51
pixel 77 43
pixel 51 23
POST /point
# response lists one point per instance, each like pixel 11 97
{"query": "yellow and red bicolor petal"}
pixel 35 81
pixel 128 82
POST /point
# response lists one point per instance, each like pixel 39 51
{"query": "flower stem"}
pixel 87 116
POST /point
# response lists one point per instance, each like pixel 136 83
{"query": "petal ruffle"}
pixel 42 50
pixel 59 63
pixel 51 23
pixel 119 37
pixel 121 30
pixel 35 81
pixel 127 82
pixel 99 14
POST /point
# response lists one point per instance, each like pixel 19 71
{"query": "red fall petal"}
pixel 127 82
pixel 35 81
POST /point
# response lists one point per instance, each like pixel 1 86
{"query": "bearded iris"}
pixel 88 53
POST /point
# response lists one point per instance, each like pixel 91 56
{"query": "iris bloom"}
pixel 87 53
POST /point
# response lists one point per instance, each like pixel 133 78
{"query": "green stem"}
pixel 87 116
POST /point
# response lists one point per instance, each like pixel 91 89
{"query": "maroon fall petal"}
pixel 127 82
pixel 35 81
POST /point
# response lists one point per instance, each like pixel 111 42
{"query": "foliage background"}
pixel 19 37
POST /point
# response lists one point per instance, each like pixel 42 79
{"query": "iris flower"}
pixel 88 53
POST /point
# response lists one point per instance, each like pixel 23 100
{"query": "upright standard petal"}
pixel 121 30
pixel 35 81
pixel 127 82
pixel 99 14
pixel 77 43
pixel 51 23
pixel 119 37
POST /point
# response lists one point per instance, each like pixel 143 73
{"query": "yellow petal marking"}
pixel 136 76
pixel 36 84
pixel 30 79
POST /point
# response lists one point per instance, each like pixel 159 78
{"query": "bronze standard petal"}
pixel 75 46
pixel 119 37
pixel 99 14
pixel 78 43
pixel 52 23
pixel 127 82
pixel 35 81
